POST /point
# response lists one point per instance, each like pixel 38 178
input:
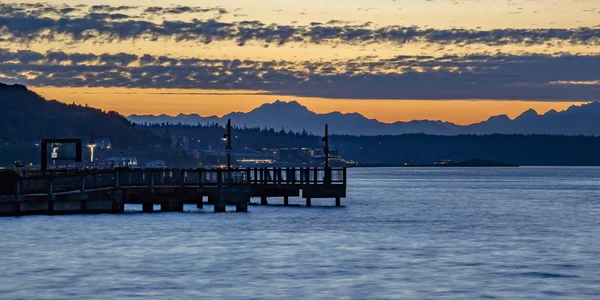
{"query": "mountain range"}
pixel 576 120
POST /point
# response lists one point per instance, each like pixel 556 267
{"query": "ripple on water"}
pixel 526 233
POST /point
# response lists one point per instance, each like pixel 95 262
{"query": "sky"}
pixel 394 60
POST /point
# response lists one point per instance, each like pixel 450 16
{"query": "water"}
pixel 403 233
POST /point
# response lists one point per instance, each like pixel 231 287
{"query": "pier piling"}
pixel 147 207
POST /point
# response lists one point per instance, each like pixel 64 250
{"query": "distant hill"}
pixel 577 120
pixel 296 117
pixel 26 116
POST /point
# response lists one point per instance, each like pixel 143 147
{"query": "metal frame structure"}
pixel 44 146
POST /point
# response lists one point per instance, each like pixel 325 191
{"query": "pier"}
pixel 92 190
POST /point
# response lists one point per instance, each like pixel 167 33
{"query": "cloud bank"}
pixel 29 23
pixel 530 77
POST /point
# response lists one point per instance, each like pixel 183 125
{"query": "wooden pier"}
pixel 81 191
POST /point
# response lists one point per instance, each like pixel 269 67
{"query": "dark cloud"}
pixel 110 9
pixel 22 24
pixel 180 9
pixel 531 77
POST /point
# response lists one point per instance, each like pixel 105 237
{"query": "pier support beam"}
pixel 118 206
pixel 200 204
pixel 241 206
pixel 264 201
pixel 286 200
pixel 50 206
pixel 220 208
pixel 219 203
pixel 308 202
pixel 177 206
pixel 147 207
pixel 338 201
pixel 171 206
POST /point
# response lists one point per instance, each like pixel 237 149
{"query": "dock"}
pixel 95 191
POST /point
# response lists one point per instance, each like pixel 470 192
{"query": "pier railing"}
pixel 56 183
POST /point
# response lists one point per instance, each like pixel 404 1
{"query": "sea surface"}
pixel 404 233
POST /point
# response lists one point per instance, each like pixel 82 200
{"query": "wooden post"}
pixel 83 195
pixel 18 191
pixel 117 179
pixel 286 200
pixel 200 202
pixel 18 198
pixel 83 206
pixel 51 196
pixel 280 174
pixel 338 201
pixel 293 172
pixel 182 183
pixel 263 200
pixel 308 202
pixel 219 201
pixel 152 182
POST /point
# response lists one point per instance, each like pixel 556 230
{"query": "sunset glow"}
pixel 393 60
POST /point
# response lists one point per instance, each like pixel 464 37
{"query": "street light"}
pixel 326 149
pixel 54 154
pixel 227 139
pixel 92 146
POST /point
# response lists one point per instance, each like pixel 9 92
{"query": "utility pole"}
pixel 326 150
pixel 228 145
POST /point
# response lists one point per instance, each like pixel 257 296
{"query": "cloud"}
pixel 110 9
pixel 28 24
pixel 513 77
pixel 180 9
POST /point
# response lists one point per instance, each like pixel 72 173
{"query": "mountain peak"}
pixel 283 107
pixel 292 103
pixel 498 118
pixel 528 114
pixel 592 107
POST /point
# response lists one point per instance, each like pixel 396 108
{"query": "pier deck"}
pixel 108 190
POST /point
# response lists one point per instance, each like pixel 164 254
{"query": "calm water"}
pixel 403 233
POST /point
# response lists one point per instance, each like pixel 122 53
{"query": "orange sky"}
pixel 206 103
pixel 302 58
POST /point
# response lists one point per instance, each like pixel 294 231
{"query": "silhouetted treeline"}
pixel 210 135
pixel 540 150
pixel 408 148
